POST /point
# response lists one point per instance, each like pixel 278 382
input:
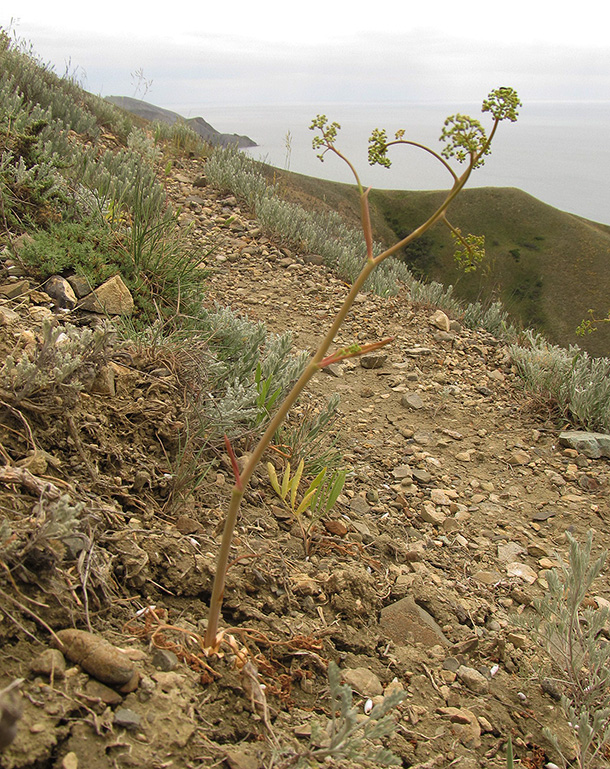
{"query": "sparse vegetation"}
pixel 573 630
pixel 464 139
pixel 82 183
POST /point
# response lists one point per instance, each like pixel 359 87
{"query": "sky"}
pixel 279 52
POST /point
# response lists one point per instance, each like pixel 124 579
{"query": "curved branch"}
pixel 434 154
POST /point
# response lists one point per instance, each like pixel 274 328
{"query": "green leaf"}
pixel 336 489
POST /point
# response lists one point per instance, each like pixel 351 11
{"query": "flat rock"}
pixel 472 679
pixel 111 298
pixel 412 400
pixel 363 681
pixel 404 622
pixel 593 445
pixel 523 571
pixel 375 360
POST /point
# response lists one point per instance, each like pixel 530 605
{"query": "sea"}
pixel 556 151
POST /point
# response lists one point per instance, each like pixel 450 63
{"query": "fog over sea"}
pixel 557 151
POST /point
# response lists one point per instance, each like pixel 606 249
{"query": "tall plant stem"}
pixel 312 368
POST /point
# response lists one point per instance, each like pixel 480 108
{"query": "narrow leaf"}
pixel 273 478
pixel 285 482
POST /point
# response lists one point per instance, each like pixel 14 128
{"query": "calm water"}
pixel 556 151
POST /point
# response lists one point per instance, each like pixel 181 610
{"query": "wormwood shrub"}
pixel 179 137
pixel 348 737
pixel 57 367
pixel 578 383
pixel 575 634
pixel 465 140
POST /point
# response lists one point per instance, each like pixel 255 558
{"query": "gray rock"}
pixel 412 400
pixel 125 718
pixel 165 660
pixel 80 285
pixel 474 680
pixel 593 445
pixel 375 360
pixel 313 259
pixel 60 290
pixel 422 476
pixel 359 505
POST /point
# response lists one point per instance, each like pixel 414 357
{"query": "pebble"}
pixel 166 660
pixel 125 718
pixel 412 400
pixel 521 570
pixel 363 681
pixel 474 680
pixel 50 663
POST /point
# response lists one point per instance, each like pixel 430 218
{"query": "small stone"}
pixel 487 577
pixel 80 285
pixel 465 726
pixel 593 445
pixel 111 298
pixel 508 551
pixel 61 291
pixel 333 369
pixel 313 259
pixel 412 400
pixel 521 570
pixel 474 680
pixel 166 660
pixel 125 718
pixel 422 476
pixel 439 497
pixel 363 681
pixel 102 692
pixel 402 471
pixel 440 320
pixel 404 622
pixel 359 505
pixel 519 457
pixel 50 663
pixel 518 640
pixel 14 289
pixel 336 527
pixel 376 360
pixel 430 514
pixel 8 316
pixel 70 761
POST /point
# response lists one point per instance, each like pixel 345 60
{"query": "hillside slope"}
pixel 197 124
pixel 547 266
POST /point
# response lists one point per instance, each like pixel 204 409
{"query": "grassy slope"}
pixel 548 267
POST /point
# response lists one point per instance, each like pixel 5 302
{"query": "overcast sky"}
pixel 277 51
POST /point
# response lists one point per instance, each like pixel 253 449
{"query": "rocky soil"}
pixel 458 504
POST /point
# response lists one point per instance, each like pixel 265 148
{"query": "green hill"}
pixel 548 267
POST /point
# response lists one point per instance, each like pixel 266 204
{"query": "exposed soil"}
pixel 458 504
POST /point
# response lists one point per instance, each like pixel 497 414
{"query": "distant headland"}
pixel 207 132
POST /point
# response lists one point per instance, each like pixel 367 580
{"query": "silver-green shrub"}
pixel 578 383
pixel 575 635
